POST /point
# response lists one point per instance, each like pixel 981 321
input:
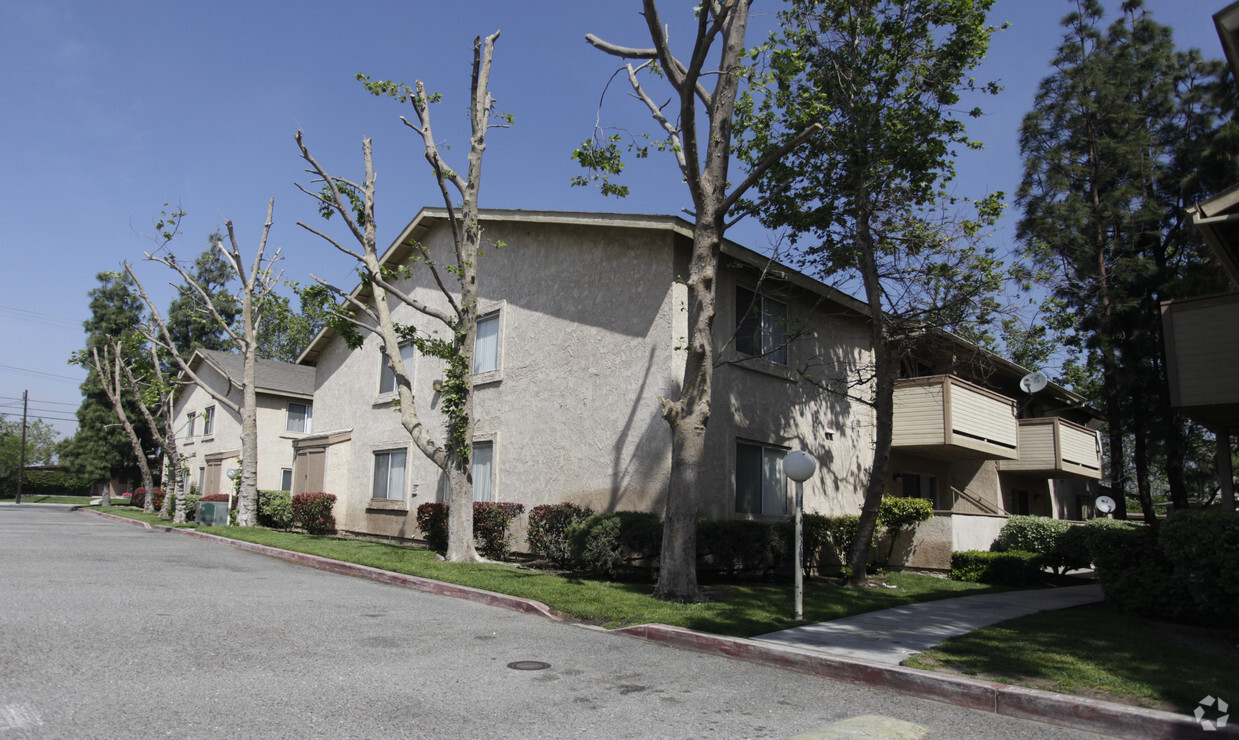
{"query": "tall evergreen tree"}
pixel 100 449
pixel 1119 142
pixel 285 332
pixel 190 323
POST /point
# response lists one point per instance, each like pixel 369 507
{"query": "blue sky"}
pixel 109 110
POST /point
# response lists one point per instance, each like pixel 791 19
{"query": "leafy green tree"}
pixel 40 449
pixel 100 449
pixel 866 199
pixel 285 332
pixel 1123 136
pixel 190 323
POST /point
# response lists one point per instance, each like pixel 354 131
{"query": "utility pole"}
pixel 22 465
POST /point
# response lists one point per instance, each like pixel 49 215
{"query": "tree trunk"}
pixel 883 405
pixel 1140 454
pixel 1114 427
pixel 247 505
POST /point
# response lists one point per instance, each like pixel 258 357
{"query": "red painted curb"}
pixel 1078 713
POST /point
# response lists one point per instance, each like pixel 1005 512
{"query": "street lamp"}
pixel 799 466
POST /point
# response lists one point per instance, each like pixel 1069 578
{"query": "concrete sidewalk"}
pixel 891 635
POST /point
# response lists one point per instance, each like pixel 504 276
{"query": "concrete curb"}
pixel 1079 713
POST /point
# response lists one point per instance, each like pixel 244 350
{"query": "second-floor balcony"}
pixel 949 418
pixel 1202 358
pixel 1054 447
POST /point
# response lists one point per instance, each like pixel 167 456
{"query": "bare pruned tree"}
pixel 698 132
pixel 111 373
pixel 355 315
pixel 258 280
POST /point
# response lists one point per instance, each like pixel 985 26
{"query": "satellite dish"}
pixel 1033 382
pixel 1105 504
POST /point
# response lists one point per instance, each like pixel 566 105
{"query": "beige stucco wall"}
pixel 275 450
pixel 593 333
pixel 586 348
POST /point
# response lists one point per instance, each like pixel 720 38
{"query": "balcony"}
pixel 1056 448
pixel 1202 358
pixel 948 418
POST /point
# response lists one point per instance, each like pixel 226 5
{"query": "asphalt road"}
pixel 109 631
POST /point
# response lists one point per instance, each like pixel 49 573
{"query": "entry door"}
pixel 211 486
pixel 308 470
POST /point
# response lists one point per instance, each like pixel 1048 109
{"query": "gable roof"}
pixel 270 376
pixel 427 218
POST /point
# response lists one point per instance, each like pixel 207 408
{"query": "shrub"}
pixel 548 530
pixel 737 546
pixel 491 521
pixel 1201 548
pixel 139 498
pixel 191 505
pixel 45 483
pixel 314 512
pixel 217 497
pixel 1016 568
pixel 605 543
pixel 275 509
pixel 1134 574
pixel 1057 541
pixel 898 513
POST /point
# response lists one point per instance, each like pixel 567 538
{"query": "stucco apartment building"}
pixel 582 329
pixel 209 434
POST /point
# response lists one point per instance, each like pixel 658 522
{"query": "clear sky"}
pixel 110 109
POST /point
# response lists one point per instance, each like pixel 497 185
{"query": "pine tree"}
pixel 1119 141
pixel 190 323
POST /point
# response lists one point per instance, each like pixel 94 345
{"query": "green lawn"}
pixel 1094 651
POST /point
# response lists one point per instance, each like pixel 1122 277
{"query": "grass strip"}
pixel 1095 651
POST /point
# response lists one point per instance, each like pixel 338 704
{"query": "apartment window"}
pixel 208 421
pixel 193 419
pixel 486 345
pixel 299 416
pixel 920 486
pixel 483 471
pixel 761 326
pixel 286 479
pixel 759 480
pixel 387 376
pixel 389 475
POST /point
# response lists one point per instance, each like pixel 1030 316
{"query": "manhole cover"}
pixel 528 665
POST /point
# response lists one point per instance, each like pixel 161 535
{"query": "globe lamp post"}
pixel 799 466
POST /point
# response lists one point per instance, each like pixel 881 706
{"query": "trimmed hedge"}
pixel 735 546
pixel 1016 568
pixel 1062 545
pixel 275 509
pixel 46 483
pixel 314 512
pixel 1203 548
pixel 607 543
pixel 492 521
pixel 547 534
pixel 139 498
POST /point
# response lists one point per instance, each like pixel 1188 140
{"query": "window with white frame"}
pixel 387 376
pixel 760 487
pixel 486 345
pixel 915 485
pixel 299 417
pixel 483 471
pixel 286 479
pixel 189 425
pixel 208 421
pixel 389 474
pixel 761 326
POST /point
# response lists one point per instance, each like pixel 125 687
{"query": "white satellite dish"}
pixel 1033 382
pixel 1105 504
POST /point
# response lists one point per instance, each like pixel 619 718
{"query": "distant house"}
pixel 583 326
pixel 1202 347
pixel 209 434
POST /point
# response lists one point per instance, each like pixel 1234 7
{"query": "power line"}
pixel 40 374
pixel 35 400
pixel 35 317
pixel 35 416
